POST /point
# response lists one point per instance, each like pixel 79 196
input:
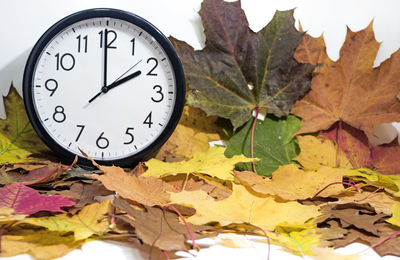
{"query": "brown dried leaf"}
pixel 158 227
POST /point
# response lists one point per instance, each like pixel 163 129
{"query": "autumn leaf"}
pixel 7 215
pixel 385 158
pixel 380 201
pixel 25 200
pixel 18 140
pixel 212 162
pixel 148 191
pixel 353 143
pixel 89 221
pixel 273 143
pixel 292 183
pixel 316 152
pixel 243 207
pixel 193 134
pixel 336 85
pixel 235 58
pixel 40 244
pixel 395 219
pixel 391 183
pixel 158 227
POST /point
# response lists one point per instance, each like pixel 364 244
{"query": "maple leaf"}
pixel 336 85
pixel 212 162
pixel 157 227
pixel 380 201
pixel 273 143
pixel 148 191
pixel 385 158
pixel 321 253
pixel 391 183
pixel 292 183
pixel 89 221
pixel 7 215
pixel 193 134
pixel 236 57
pixel 18 140
pixel 353 142
pixel 244 207
pixel 40 244
pixel 350 216
pixel 316 152
pixel 25 200
pixel 395 219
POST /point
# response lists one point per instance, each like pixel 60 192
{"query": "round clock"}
pixel 107 82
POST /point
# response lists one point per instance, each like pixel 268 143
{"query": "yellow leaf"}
pixel 395 219
pixel 297 242
pixel 212 162
pixel 7 215
pixel 292 183
pixel 18 140
pixel 243 207
pixel 193 133
pixel 40 244
pixel 316 152
pixel 89 221
pixel 391 183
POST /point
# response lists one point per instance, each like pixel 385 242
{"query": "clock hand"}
pixel 116 83
pixel 105 58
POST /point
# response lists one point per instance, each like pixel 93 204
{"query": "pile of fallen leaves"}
pixel 304 177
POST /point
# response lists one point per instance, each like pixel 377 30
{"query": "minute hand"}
pixel 123 80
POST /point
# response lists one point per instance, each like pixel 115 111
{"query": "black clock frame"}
pixel 37 50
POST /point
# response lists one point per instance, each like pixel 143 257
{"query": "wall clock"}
pixel 105 81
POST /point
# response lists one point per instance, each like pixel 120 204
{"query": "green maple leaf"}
pixel 273 143
pixel 239 70
pixel 18 140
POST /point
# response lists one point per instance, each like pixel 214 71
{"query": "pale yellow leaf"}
pixel 244 207
pixel 212 162
pixel 292 183
pixel 316 152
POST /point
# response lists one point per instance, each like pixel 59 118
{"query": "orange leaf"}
pixel 350 89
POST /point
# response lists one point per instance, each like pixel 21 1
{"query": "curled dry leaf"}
pixel 158 227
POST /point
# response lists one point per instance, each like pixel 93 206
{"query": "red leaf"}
pixel 25 200
pixel 385 158
pixel 354 143
pixel 35 176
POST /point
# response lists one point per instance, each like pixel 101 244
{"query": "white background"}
pixel 22 22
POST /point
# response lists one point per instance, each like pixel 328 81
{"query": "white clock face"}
pixel 105 86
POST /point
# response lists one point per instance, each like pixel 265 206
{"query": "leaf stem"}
pixel 265 234
pixel 165 254
pixel 333 183
pixel 383 240
pixel 186 224
pixel 369 195
pixel 339 140
pixel 253 164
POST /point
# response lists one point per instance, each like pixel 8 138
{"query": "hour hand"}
pixel 116 83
